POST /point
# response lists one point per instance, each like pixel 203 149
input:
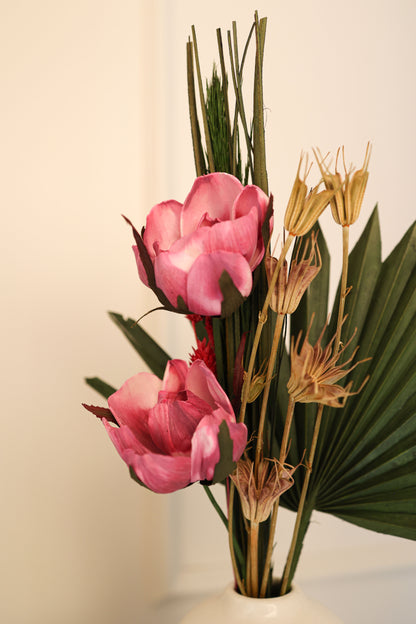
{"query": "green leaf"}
pixel 232 298
pixel 100 386
pixel 226 465
pixel 148 349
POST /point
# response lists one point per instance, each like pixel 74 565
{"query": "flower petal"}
pixel 238 236
pixel 212 194
pixel 202 382
pixel 162 226
pixel 238 434
pixel 131 402
pixel 172 424
pixel 169 278
pixel 205 453
pixel 250 196
pixel 204 295
pixel 162 473
pixel 175 376
pixel 127 442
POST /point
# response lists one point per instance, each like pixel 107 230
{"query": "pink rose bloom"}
pixel 168 430
pixel 218 228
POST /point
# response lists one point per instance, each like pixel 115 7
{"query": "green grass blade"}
pixel 148 349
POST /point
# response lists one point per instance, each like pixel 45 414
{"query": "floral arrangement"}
pixel 275 402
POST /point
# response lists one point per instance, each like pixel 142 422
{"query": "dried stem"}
pixel 282 457
pixel 259 329
pixel 343 291
pixel 268 560
pixel 302 500
pixel 318 420
pixel 254 558
pixel 266 391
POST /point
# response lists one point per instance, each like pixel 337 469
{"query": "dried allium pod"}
pixel 290 289
pixel 258 494
pixel 348 191
pixel 257 383
pixel 314 372
pixel 304 209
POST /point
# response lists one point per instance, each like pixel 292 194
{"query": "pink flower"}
pixel 185 248
pixel 168 430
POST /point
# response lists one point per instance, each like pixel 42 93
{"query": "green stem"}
pixel 236 76
pixel 224 519
pixel 193 115
pixel 203 107
pixel 259 143
pixel 231 541
pixel 268 560
pixel 216 505
pixel 225 95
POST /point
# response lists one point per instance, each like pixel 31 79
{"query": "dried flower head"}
pixel 348 192
pixel 258 495
pixel 257 383
pixel 304 209
pixel 314 372
pixel 289 289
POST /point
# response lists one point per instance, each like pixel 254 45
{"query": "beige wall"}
pixel 93 123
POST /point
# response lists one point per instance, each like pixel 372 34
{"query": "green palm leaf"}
pixel 148 349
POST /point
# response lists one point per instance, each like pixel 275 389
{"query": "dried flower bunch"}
pixel 279 412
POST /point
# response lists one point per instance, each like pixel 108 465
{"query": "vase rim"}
pixel 231 591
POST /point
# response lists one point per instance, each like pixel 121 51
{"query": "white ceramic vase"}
pixel 229 607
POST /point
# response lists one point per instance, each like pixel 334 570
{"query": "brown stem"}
pixel 302 499
pixel 282 457
pixel 343 291
pixel 337 345
pixel 259 329
pixel 254 559
pixel 266 390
